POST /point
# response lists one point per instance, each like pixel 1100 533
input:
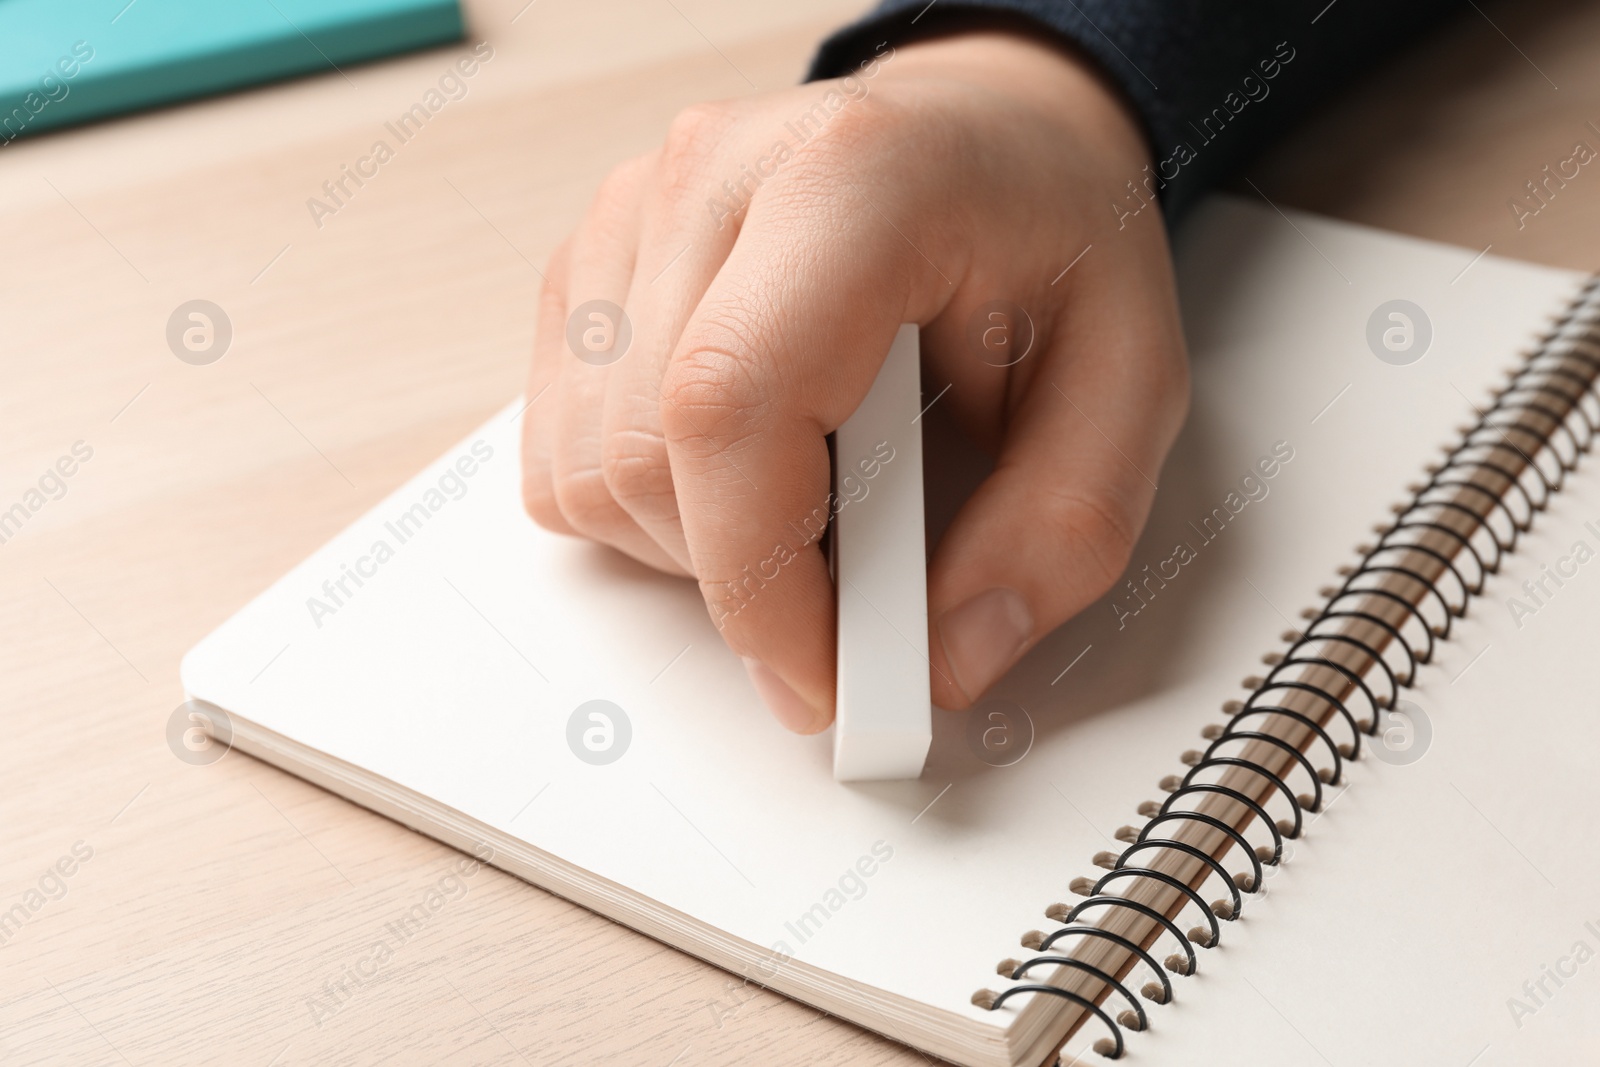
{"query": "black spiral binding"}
pixel 1477 499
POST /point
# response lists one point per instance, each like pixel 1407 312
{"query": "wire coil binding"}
pixel 1476 503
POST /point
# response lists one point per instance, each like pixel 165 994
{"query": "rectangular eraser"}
pixel 885 709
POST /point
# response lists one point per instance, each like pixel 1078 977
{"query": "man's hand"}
pixel 765 256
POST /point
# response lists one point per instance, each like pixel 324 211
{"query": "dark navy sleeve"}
pixel 1213 82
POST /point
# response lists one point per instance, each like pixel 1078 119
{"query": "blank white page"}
pixel 454 670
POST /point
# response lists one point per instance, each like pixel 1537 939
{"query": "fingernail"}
pixel 785 704
pixel 983 636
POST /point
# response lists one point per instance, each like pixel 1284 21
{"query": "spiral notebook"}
pixel 1308 787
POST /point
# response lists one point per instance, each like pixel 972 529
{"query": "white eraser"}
pixel 885 709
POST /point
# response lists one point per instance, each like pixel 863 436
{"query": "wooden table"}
pixel 218 905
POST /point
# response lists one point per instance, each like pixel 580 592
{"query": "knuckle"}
pixel 832 154
pixel 584 501
pixel 618 185
pixel 861 133
pixel 1101 526
pixel 693 138
pixel 637 473
pixel 709 398
pixel 844 126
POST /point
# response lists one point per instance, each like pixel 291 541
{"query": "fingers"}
pixel 784 345
pixel 651 245
pixel 684 239
pixel 600 267
pixel 1052 528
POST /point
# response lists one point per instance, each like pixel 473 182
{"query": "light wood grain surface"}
pixel 218 904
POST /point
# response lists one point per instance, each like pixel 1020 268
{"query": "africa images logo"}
pixel 452 485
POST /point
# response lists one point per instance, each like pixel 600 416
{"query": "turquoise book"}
pixel 69 61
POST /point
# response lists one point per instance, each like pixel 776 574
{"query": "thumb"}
pixel 1052 528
